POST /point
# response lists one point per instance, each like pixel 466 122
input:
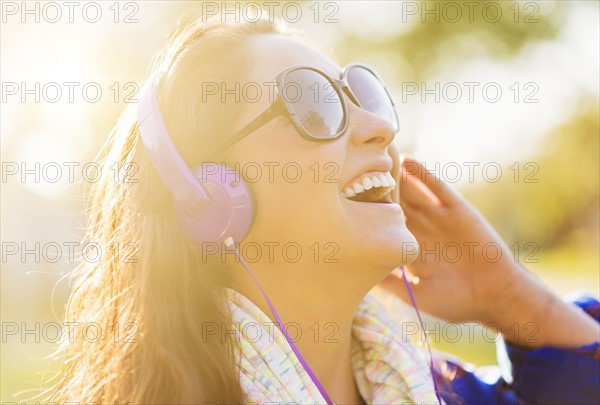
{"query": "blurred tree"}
pixel 555 201
pixel 485 29
pixel 562 207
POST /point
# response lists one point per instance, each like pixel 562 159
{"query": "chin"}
pixel 383 241
pixel 393 247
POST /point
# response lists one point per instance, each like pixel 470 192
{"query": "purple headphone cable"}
pixel 229 243
pixel 414 303
pixel 209 215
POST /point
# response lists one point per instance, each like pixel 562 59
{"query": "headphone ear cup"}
pixel 228 215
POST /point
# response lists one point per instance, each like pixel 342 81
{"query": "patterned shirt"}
pixel 389 369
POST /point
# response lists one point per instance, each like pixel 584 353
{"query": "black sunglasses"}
pixel 315 104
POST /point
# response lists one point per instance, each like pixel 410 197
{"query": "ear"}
pixel 229 214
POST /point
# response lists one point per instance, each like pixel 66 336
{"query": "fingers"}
pixel 414 193
pixel 417 201
pixel 413 168
pixel 418 222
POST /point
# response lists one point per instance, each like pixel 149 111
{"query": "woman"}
pixel 323 223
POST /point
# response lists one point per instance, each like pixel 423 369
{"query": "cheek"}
pixel 294 187
pixel 297 202
pixel 309 211
pixel 296 198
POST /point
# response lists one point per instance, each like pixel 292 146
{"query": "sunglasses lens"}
pixel 315 103
pixel 371 94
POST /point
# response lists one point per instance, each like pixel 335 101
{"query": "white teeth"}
pixel 358 188
pixel 391 179
pixel 381 179
pixel 384 180
pixel 376 181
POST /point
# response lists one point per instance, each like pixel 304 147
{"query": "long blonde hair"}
pixel 152 295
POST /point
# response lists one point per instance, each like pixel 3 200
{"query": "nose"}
pixel 365 127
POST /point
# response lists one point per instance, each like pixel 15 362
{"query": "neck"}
pixel 317 305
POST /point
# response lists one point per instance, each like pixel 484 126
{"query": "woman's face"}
pixel 299 201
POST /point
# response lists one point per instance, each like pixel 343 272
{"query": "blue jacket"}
pixel 539 376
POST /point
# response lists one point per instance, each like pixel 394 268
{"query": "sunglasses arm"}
pixel 275 110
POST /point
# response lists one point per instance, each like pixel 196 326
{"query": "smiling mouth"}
pixel 371 187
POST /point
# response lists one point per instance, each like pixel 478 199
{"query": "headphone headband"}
pixel 188 192
pixel 209 206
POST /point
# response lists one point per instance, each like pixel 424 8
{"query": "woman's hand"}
pixel 464 268
pixel 466 272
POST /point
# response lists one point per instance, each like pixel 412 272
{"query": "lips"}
pixel 372 186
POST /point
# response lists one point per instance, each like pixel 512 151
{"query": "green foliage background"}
pixel 559 213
